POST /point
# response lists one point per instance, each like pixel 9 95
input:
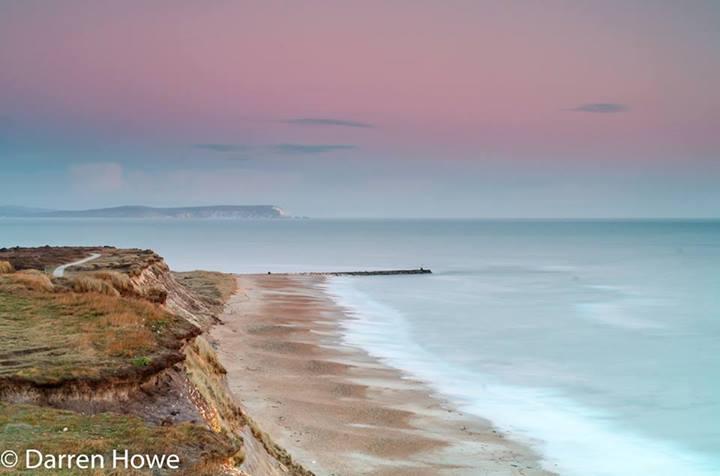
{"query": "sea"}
pixel 597 343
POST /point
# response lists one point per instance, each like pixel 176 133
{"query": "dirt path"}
pixel 59 272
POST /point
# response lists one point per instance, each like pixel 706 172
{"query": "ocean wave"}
pixel 573 439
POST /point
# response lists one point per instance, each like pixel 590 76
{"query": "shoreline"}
pixel 336 409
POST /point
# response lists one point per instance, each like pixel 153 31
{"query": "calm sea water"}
pixel 596 342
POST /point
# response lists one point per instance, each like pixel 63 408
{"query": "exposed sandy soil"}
pixel 337 410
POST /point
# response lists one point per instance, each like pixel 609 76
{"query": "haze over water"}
pixel 594 341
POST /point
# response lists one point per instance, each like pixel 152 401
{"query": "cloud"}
pixel 602 107
pixel 98 176
pixel 305 149
pixel 238 152
pixel 326 121
pixel 220 147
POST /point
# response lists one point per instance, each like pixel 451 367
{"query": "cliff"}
pixel 115 353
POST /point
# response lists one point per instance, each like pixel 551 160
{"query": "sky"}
pixel 394 108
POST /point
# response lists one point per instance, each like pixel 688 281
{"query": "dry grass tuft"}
pixel 128 342
pixel 211 287
pixel 33 280
pixel 87 284
pixel 126 334
pixel 6 267
pixel 156 295
pixel 121 282
pixel 124 319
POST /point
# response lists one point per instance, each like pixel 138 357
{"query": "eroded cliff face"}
pixel 156 280
pixel 189 388
pixel 259 455
pixel 210 393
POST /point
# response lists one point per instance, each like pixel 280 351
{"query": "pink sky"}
pixel 438 80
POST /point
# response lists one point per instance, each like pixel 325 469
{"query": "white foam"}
pixel 574 440
pixel 615 315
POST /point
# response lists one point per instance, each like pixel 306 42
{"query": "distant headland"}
pixel 218 211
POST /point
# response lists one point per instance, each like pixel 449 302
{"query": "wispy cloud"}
pixel 327 121
pixel 220 147
pixel 602 107
pixel 247 152
pixel 309 149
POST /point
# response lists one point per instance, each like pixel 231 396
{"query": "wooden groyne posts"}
pixel 381 272
pixel 387 272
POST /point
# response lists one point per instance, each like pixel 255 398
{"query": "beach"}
pixel 337 410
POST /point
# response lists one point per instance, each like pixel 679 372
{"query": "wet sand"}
pixel 334 408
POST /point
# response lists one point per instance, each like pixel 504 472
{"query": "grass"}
pixel 141 361
pixel 54 431
pixel 46 258
pixel 111 273
pixel 53 337
pixel 121 282
pixel 211 287
pixel 33 280
pixel 130 262
pixel 89 284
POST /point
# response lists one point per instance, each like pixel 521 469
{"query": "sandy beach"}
pixel 334 408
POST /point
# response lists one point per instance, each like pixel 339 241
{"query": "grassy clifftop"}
pixel 49 336
pixel 111 355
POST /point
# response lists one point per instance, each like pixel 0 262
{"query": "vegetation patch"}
pixel 89 284
pixel 121 282
pixel 48 338
pixel 141 361
pixel 213 288
pixel 130 262
pixel 54 431
pixel 46 258
pixel 6 267
pixel 33 280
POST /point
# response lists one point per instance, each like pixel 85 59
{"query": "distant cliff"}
pixel 221 211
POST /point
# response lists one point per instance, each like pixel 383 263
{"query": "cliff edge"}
pixel 113 355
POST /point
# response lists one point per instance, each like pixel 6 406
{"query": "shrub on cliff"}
pixel 156 295
pixel 87 284
pixel 33 280
pixel 6 267
pixel 121 282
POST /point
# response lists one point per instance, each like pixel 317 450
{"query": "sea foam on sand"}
pixel 572 439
